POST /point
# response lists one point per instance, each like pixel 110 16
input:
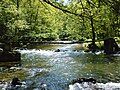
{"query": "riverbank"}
pixel 54 42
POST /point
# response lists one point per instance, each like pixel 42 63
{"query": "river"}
pixel 41 64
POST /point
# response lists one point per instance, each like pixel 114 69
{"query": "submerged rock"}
pixel 58 50
pixel 15 84
pixel 15 81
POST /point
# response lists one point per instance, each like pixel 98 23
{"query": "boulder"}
pixel 110 46
pixel 10 56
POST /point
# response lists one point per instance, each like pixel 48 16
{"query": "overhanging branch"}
pixel 64 10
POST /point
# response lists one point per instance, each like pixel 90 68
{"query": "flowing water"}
pixel 41 64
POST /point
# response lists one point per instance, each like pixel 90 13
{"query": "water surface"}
pixel 41 64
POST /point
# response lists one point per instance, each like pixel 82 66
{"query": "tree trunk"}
pixel 93 30
pixel 93 47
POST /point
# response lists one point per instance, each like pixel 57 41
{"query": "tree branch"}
pixel 64 10
pixel 45 6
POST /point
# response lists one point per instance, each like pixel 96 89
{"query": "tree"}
pixel 92 10
pixel 87 11
pixel 38 20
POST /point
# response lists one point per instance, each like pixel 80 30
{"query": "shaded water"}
pixel 41 64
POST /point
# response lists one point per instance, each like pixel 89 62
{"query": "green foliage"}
pixel 37 20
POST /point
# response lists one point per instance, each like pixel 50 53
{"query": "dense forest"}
pixel 46 20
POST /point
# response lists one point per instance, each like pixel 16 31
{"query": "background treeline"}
pixel 36 20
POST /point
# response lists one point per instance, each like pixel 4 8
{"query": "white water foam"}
pixel 34 51
pixel 67 47
pixel 64 52
pixel 97 86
